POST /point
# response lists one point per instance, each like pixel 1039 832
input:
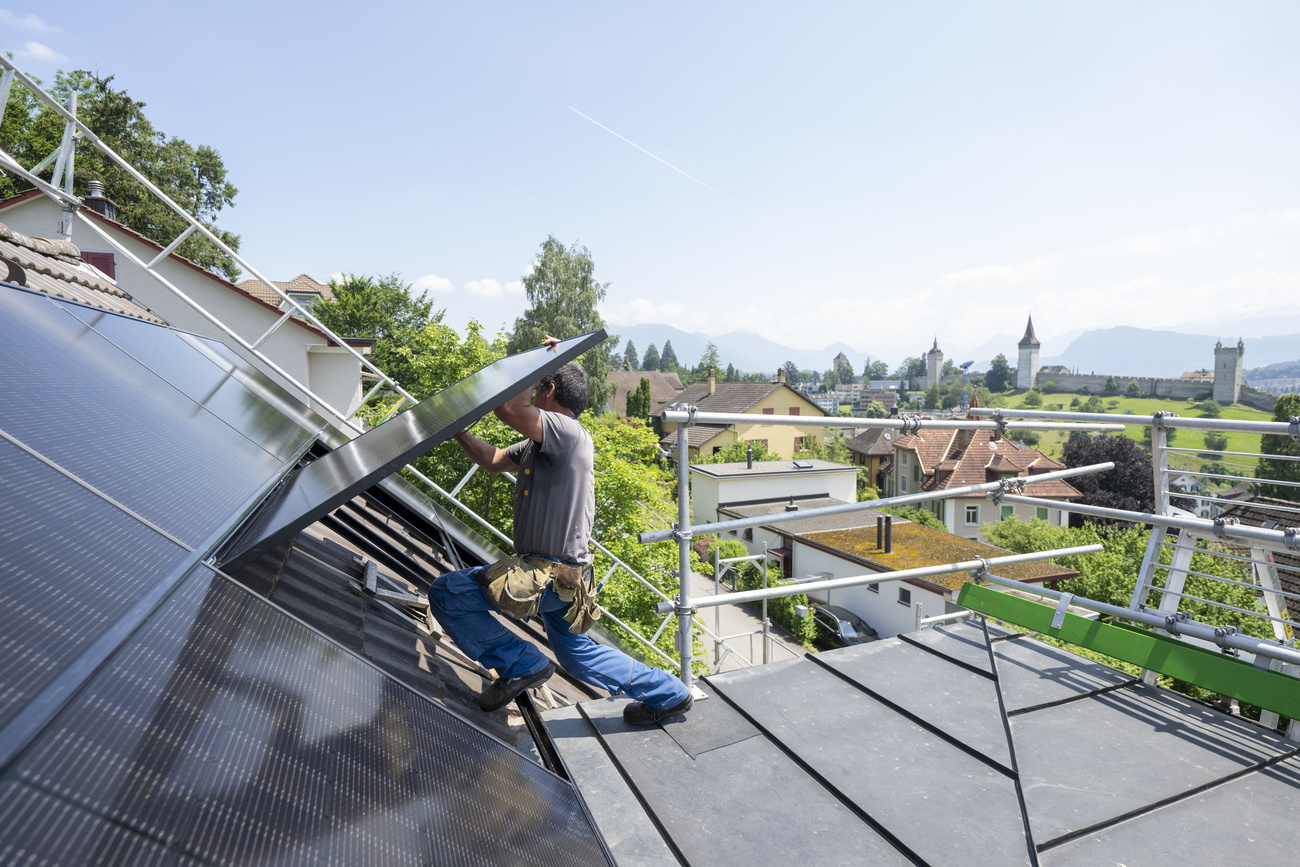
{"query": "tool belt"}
pixel 515 586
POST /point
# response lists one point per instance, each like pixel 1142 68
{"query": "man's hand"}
pixel 550 342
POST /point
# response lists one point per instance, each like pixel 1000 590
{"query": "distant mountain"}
pixel 1123 350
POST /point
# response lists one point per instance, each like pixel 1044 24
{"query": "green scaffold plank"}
pixel 1209 669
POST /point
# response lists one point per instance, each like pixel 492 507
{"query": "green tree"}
pixel 875 370
pixel 875 409
pixel 651 361
pixel 1049 387
pixel 710 360
pixel 384 310
pixel 950 368
pixel 830 379
pixel 562 297
pixel 792 375
pixel 731 374
pixel 668 358
pixel 738 452
pixel 844 371
pixel 1287 409
pixel 1211 409
pixel 631 360
pixel 1112 386
pixel 638 401
pixel 1033 398
pixel 1216 442
pixel 1134 389
pixel 192 176
pixel 999 376
pixel 932 397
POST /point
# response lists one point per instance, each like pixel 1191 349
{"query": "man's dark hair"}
pixel 572 388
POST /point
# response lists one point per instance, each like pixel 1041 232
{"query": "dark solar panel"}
pixel 231 734
pixel 87 406
pixel 326 484
pixel 71 564
pixel 227 388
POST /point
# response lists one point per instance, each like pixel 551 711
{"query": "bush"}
pixel 1032 398
pixel 1211 409
pixel 1216 442
pixel 1133 390
pixel 1049 387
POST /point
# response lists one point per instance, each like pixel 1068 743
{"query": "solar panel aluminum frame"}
pixel 309 493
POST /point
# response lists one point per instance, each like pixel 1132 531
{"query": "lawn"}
pixel 1194 454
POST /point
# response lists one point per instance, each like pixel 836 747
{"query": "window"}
pixel 798 444
pixel 1007 512
pixel 972 516
pixel 767 410
pixel 1041 513
pixel 904 596
pixel 717 449
pixel 103 261
pixel 874 588
pixel 764 442
pixel 902 485
pixel 902 458
pixel 749 534
pixel 916 472
pixel 794 410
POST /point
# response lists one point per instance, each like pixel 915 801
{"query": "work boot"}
pixel 504 690
pixel 638 713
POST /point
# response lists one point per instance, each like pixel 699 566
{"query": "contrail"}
pixel 647 153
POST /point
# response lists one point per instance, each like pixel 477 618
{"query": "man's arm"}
pixel 519 412
pixel 486 455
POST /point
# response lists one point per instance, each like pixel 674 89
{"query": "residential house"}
pixel 888 397
pixel 1270 513
pixel 299 349
pixel 864 542
pixel 869 449
pixel 935 460
pixel 748 398
pixel 828 403
pixel 302 289
pixel 664 388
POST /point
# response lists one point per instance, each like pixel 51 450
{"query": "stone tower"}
pixel 933 364
pixel 1227 372
pixel 1027 366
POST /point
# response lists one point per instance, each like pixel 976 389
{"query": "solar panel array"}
pixel 154 711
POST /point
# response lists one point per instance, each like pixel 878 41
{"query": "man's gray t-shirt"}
pixel 555 497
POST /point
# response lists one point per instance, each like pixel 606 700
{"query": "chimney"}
pixel 713 381
pixel 889 534
pixel 791 506
pixel 880 532
pixel 749 458
pixel 95 200
pixel 780 374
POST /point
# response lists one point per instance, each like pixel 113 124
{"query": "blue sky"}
pixel 870 173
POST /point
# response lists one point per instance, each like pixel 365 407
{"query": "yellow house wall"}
pixel 780 438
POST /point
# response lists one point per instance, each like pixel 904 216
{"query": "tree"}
pixel 1134 389
pixel 1287 409
pixel 562 297
pixel 739 451
pixel 668 358
pixel 916 516
pixel 844 371
pixel 1130 485
pixel 384 310
pixel 630 358
pixel 731 374
pixel 638 401
pixel 792 375
pixel 932 397
pixel 1112 386
pixel 1049 387
pixel 875 409
pixel 1211 409
pixel 950 368
pixel 1032 398
pixel 830 379
pixel 875 370
pixel 999 376
pixel 709 361
pixel 651 361
pixel 1216 442
pixel 193 177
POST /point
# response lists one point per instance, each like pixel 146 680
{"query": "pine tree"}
pixel 668 360
pixel 651 360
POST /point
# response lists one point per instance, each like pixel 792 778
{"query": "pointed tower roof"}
pixel 936 348
pixel 1029 339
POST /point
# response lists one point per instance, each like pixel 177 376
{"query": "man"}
pixel 554 509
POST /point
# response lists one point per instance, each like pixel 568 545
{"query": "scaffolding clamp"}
pixel 1010 486
pixel 1221 636
pixel 680 535
pixel 1221 526
pixel 1290 538
pixel 1172 621
pixel 1001 422
pixel 1295 428
pixel 980 573
pixel 676 608
pixel 1158 416
pixel 911 424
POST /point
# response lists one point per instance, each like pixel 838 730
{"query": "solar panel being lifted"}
pixel 327 483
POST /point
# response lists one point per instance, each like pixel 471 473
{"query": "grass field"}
pixel 1195 456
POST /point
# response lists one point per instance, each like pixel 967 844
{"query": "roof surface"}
pixel 875 441
pixel 663 387
pixel 55 268
pixel 764 468
pixel 729 397
pixel 1030 339
pixel 899 752
pixel 955 459
pixel 302 283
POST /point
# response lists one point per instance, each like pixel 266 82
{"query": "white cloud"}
pixel 25 22
pixel 38 52
pixel 1035 269
pixel 489 288
pixel 642 310
pixel 432 283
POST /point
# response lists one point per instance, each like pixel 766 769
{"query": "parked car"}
pixel 839 627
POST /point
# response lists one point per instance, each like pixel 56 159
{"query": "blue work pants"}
pixel 459 604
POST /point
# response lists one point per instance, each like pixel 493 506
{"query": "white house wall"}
pixel 881 609
pixel 707 492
